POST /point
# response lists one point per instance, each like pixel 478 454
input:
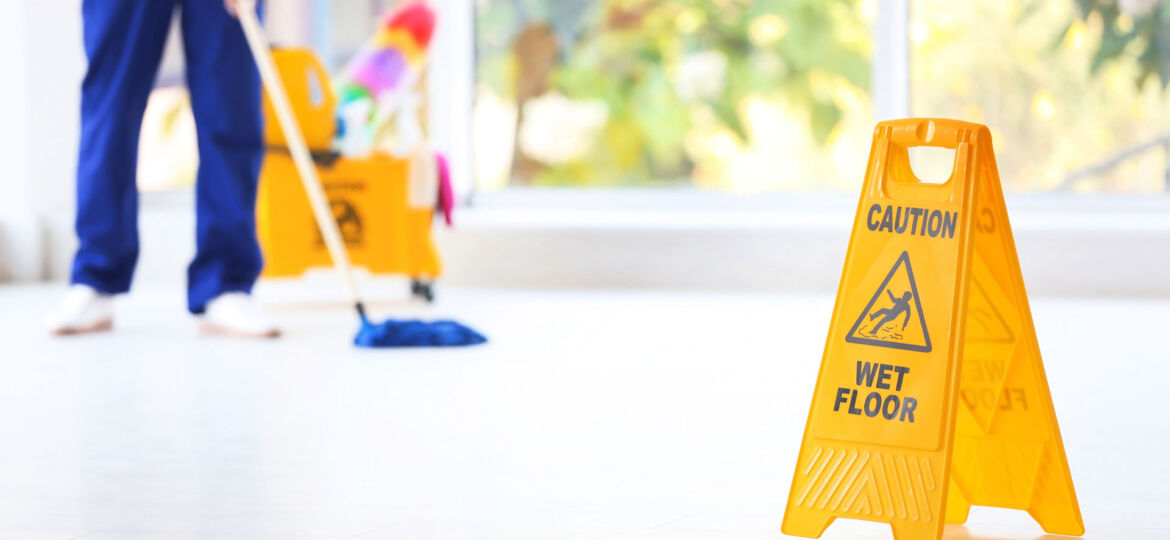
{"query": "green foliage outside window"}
pixel 660 67
pixel 1141 27
pixel 658 92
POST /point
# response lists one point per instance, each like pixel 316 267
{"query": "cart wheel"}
pixel 422 289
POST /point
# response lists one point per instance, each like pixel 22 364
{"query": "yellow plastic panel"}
pixel 368 197
pixel 311 95
pixel 1008 451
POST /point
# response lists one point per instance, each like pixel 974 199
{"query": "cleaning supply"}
pixel 386 334
pixel 377 85
pixel 446 189
pixel 384 231
pixel 408 333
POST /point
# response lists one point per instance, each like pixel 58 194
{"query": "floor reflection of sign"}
pixel 893 317
pixel 349 222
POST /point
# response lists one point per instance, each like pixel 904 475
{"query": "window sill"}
pixel 1070 245
pixel 688 239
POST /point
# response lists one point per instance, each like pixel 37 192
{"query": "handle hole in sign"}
pixel 930 164
pixel 316 93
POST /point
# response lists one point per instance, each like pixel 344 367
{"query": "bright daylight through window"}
pixel 774 95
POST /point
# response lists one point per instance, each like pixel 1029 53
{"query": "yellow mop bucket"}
pixel 369 196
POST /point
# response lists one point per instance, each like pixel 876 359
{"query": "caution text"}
pixel 912 221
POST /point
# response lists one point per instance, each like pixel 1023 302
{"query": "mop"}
pixel 391 333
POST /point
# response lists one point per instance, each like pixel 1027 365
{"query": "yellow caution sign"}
pixel 931 395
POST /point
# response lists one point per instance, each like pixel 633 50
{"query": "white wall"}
pixel 14 188
pixel 450 83
pixel 43 62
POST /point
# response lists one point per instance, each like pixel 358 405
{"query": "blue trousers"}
pixel 124 42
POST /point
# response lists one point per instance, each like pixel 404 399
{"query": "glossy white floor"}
pixel 590 415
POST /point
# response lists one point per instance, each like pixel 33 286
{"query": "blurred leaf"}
pixel 660 118
pixel 1086 6
pixel 824 116
pixel 1112 45
pixel 1058 38
pixel 1160 49
pixel 1029 8
pixel 623 143
pixel 728 113
pixel 1148 39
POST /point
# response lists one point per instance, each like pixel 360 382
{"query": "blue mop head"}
pixel 414 333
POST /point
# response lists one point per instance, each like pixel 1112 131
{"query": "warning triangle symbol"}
pixel 893 317
pixel 984 321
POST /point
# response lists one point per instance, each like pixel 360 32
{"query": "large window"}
pixel 1074 100
pixel 750 96
pixel 771 95
pixel 738 95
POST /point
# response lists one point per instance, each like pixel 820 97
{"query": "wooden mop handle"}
pixel 258 43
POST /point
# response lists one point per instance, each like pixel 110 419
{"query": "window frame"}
pixel 1074 245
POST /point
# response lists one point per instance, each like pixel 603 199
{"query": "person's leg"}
pixel 225 97
pixel 124 42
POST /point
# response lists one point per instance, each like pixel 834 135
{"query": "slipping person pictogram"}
pixel 892 320
pixel 890 314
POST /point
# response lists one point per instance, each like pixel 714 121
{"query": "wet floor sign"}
pixel 931 395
